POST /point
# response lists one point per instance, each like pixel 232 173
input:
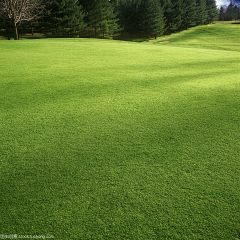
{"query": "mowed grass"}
pixel 106 139
pixel 220 36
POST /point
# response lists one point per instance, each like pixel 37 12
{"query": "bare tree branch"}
pixel 18 11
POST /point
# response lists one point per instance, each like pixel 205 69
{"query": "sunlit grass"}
pixel 220 36
pixel 106 139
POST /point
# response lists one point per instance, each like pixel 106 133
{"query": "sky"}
pixel 225 2
pixel 222 2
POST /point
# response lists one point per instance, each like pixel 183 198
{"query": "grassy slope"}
pixel 115 140
pixel 221 36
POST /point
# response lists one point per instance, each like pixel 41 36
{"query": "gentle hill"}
pixel 220 36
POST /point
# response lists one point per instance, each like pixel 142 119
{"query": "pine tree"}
pixel 236 12
pixel 212 12
pixel 189 17
pixel 114 25
pixel 66 18
pixel 221 14
pixel 178 14
pixel 168 12
pixel 102 19
pixel 152 21
pixel 108 24
pixel 230 12
pixel 73 22
pixel 130 16
pixel 201 16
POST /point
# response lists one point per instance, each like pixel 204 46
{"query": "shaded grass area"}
pixel 220 36
pixel 116 140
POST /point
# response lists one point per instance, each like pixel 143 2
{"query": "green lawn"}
pixel 105 139
pixel 221 36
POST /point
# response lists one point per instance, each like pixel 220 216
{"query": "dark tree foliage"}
pixel 65 18
pixel 221 14
pixel 190 13
pixel 201 16
pixel 107 18
pixel 151 21
pixel 129 14
pixel 143 17
pixel 177 15
pixel 231 12
pixel 168 13
pixel 102 19
pixel 6 28
pixel 236 12
pixel 212 12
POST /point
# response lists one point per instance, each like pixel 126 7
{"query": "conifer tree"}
pixel 221 14
pixel 152 21
pixel 189 17
pixel 212 12
pixel 201 15
pixel 168 12
pixel 66 18
pixel 178 14
pixel 230 12
pixel 132 15
pixel 236 12
pixel 102 19
pixel 108 25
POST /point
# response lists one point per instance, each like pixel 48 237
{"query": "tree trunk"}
pixel 15 31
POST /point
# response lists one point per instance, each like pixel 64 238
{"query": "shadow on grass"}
pixel 140 40
pixel 133 39
pixel 32 36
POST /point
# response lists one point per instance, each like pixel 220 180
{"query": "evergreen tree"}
pixel 102 19
pixel 189 17
pixel 212 12
pixel 236 12
pixel 129 15
pixel 178 14
pixel 109 26
pixel 201 16
pixel 168 12
pixel 122 9
pixel 65 18
pixel 134 20
pixel 229 15
pixel 221 14
pixel 152 20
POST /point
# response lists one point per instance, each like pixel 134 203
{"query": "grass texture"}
pixel 221 36
pixel 105 139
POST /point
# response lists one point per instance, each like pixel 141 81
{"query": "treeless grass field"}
pixel 105 139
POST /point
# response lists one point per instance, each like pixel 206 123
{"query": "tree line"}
pixel 230 12
pixel 103 18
